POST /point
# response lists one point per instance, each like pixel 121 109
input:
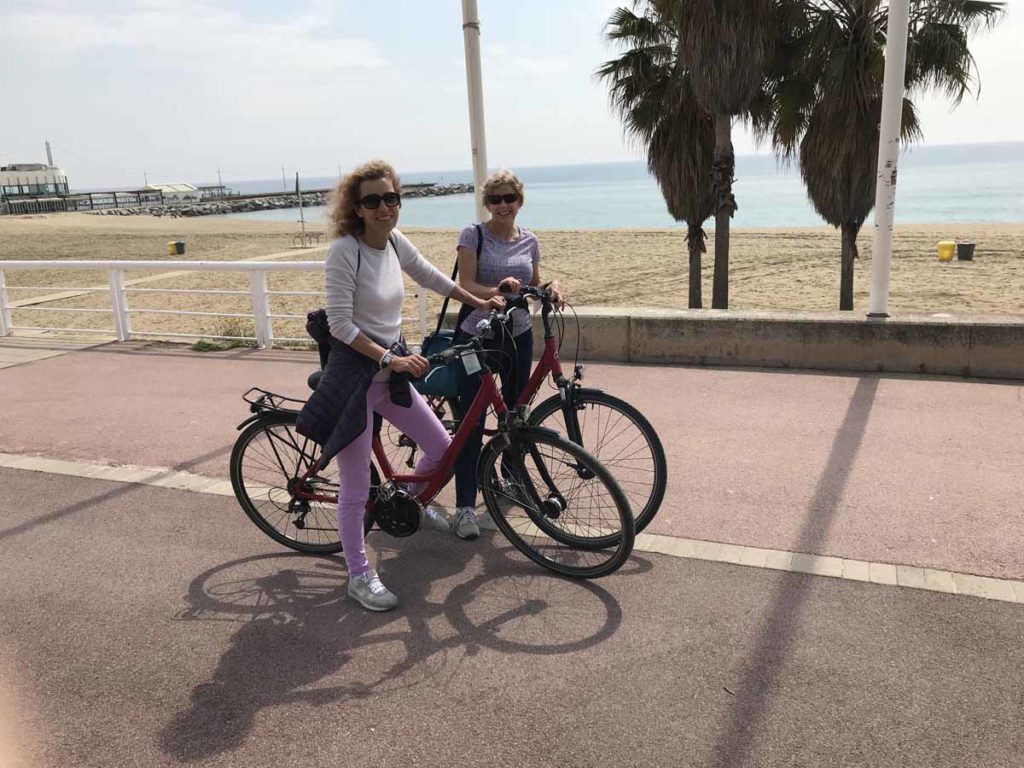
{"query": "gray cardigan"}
pixel 335 413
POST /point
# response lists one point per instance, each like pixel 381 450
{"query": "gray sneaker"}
pixel 368 590
pixel 434 519
pixel 466 526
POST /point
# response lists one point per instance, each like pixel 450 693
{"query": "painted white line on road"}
pixel 158 476
pixel 888 574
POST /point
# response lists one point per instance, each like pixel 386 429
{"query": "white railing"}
pixel 262 317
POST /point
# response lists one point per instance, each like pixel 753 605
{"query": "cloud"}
pixel 194 36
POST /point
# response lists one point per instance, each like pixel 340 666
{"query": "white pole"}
pixel 888 155
pixel 261 309
pixel 475 88
pixel 5 313
pixel 119 303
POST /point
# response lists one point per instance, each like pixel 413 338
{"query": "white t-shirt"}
pixel 365 290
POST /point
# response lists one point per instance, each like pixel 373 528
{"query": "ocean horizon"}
pixel 937 184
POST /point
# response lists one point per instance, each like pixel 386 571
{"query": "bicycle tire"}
pixel 633 451
pixel 267 458
pixel 578 541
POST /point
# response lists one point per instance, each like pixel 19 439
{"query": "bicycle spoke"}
pixel 274 460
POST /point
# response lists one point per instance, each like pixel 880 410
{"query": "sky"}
pixel 175 89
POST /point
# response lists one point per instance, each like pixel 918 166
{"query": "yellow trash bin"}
pixel 946 250
pixel 175 248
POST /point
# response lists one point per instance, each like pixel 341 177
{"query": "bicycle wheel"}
pixel 622 439
pixel 267 462
pixel 556 503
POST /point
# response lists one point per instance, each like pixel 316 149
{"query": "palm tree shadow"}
pixel 299 628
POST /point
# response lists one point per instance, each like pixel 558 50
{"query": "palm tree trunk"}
pixel 849 231
pixel 723 165
pixel 695 242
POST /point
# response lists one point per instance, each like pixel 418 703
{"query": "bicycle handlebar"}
pixel 514 300
pixel 527 292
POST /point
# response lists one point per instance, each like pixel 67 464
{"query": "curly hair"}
pixel 342 218
pixel 503 178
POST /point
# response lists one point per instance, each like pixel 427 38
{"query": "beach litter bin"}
pixel 175 248
pixel 965 250
pixel 946 248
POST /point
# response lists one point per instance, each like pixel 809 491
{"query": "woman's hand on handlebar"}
pixel 495 302
pixel 509 285
pixel 416 365
pixel 554 289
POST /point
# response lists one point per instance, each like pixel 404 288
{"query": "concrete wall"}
pixel 991 347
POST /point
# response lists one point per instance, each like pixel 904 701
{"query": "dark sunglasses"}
pixel 390 199
pixel 511 197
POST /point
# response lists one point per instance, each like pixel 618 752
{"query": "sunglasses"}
pixel 509 198
pixel 390 199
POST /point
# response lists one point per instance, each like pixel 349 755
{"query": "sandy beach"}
pixel 784 269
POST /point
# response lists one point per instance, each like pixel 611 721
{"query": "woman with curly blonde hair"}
pixel 369 367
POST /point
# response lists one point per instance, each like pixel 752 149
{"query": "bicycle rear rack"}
pixel 262 401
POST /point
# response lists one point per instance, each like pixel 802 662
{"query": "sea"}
pixel 936 184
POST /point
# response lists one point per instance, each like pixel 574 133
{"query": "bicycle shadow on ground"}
pixel 300 632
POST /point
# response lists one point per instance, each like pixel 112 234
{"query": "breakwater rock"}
pixel 265 202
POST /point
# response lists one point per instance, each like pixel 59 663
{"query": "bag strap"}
pixel 455 272
pixel 394 244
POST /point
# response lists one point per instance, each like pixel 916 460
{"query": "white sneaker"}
pixel 434 519
pixel 370 592
pixel 466 525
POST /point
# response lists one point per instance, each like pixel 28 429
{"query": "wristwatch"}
pixel 385 361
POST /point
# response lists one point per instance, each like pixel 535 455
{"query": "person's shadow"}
pixel 299 627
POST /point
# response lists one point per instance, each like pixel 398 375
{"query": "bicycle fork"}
pixel 552 503
pixel 571 408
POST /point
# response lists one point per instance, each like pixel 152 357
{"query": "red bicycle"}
pixel 553 500
pixel 615 432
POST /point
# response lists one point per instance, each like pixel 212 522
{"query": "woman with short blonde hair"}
pixel 493 255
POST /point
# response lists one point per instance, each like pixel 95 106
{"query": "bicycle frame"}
pixel 487 396
pixel 549 363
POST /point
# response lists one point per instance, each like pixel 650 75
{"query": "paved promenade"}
pixel 836 577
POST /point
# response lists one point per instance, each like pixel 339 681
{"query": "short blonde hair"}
pixel 342 218
pixel 503 178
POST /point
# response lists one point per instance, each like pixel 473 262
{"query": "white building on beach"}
pixel 32 180
pixel 175 193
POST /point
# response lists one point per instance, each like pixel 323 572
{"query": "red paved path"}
pixel 148 627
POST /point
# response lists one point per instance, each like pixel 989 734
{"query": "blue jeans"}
pixel 512 359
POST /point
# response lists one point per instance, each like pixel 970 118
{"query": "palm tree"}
pixel 652 91
pixel 822 103
pixel 725 45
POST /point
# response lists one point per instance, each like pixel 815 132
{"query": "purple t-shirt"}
pixel 498 260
